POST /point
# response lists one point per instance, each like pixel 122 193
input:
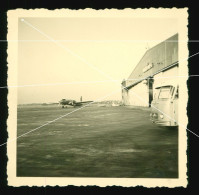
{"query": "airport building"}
pixel 158 64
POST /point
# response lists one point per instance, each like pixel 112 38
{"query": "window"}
pixel 156 93
pixel 165 92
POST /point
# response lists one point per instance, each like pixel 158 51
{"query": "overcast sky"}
pixel 87 41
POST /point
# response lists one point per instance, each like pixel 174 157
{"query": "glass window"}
pixel 156 93
pixel 172 91
pixel 165 92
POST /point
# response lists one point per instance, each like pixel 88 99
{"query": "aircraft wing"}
pixel 83 102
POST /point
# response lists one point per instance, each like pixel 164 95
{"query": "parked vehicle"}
pixel 164 107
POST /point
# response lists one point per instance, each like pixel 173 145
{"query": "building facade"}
pixel 158 64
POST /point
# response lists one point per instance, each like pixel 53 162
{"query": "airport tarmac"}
pixel 95 142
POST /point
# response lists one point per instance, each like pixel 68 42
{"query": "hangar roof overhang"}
pixel 157 59
pixel 149 77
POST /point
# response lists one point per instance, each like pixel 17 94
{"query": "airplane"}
pixel 64 103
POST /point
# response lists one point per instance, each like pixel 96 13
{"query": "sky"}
pixel 91 53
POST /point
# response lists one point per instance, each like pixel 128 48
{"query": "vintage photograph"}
pixel 100 94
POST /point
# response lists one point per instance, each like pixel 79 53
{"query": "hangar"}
pixel 158 64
